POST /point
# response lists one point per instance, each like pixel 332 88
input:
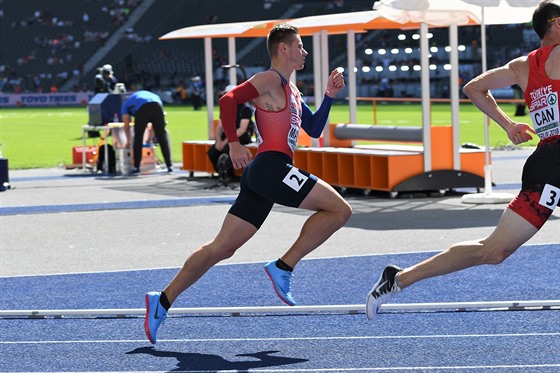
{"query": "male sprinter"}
pixel 269 178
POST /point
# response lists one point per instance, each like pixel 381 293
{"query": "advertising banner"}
pixel 44 99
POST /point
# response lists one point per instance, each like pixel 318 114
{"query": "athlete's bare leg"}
pixel 512 232
pixel 233 234
pixel 332 213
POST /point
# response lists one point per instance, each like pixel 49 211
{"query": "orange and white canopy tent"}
pixel 250 29
pixel 317 26
pixel 331 23
pixel 344 22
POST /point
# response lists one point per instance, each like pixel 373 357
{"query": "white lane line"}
pixel 200 340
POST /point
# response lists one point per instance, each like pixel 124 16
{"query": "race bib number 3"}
pixel 295 179
pixel 550 196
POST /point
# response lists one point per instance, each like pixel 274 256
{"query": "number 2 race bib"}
pixel 295 179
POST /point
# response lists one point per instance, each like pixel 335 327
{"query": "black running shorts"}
pixel 270 178
pixel 540 183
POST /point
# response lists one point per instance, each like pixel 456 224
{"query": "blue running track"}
pixel 436 341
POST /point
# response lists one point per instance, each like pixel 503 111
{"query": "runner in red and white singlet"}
pixel 269 178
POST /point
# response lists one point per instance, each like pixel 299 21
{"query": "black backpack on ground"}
pixel 101 159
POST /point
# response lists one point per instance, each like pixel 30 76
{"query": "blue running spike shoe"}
pixel 155 315
pixel 383 289
pixel 282 281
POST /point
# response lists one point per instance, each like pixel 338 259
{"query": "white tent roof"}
pixel 331 23
pixel 388 14
pixel 223 30
pixel 344 22
pixel 459 12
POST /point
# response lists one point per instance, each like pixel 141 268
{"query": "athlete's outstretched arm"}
pixel 478 91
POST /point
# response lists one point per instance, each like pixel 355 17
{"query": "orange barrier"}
pixel 195 157
pixel 401 167
pixel 392 168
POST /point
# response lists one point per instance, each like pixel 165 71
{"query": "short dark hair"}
pixel 546 10
pixel 281 33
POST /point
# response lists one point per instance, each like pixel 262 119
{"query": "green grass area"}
pixel 44 137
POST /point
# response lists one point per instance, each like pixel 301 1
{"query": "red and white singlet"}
pixel 279 130
pixel 541 95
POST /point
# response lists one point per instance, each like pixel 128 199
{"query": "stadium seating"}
pixel 50 38
pixel 37 53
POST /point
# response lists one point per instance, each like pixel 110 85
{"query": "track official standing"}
pixel 146 107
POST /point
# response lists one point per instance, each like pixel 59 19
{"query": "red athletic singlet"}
pixel 279 130
pixel 542 94
pixel 540 188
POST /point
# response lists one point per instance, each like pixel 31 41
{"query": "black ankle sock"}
pixel 283 266
pixel 164 301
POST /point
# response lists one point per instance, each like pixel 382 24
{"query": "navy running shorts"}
pixel 270 178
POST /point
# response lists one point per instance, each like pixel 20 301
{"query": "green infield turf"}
pixel 44 137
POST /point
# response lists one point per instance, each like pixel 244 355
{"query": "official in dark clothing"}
pixel 245 128
pixel 146 107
